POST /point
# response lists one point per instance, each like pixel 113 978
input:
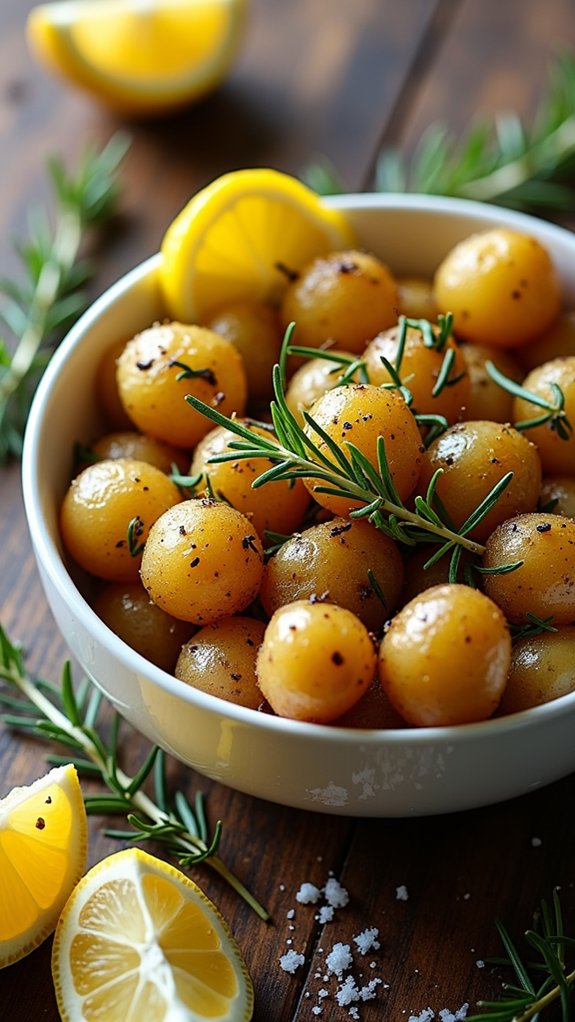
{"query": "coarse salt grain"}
pixel 335 894
pixel 368 992
pixel 480 963
pixel 290 914
pixel 325 914
pixel 339 959
pixel 401 893
pixel 347 993
pixel 367 940
pixel 536 842
pixel 447 1016
pixel 424 1016
pixel 291 961
pixel 308 894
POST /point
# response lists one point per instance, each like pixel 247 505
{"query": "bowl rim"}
pixel 54 566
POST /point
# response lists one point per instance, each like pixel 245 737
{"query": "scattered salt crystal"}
pixel 460 1014
pixel 316 1010
pixel 339 959
pixel 347 993
pixel 367 940
pixel 289 940
pixel 480 963
pixel 290 914
pixel 401 894
pixel 367 993
pixel 308 894
pixel 325 914
pixel 335 894
pixel 353 1013
pixel 466 897
pixel 424 1016
pixel 291 961
pixel 536 842
pixel 282 887
pixel 322 993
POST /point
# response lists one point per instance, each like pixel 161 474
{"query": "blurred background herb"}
pixel 501 160
pixel 38 310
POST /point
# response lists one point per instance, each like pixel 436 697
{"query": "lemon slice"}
pixel 139 940
pixel 139 56
pixel 235 240
pixel 43 840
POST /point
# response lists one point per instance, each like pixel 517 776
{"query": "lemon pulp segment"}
pixel 138 55
pixel 43 838
pixel 139 940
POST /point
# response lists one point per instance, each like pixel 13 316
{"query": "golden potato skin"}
pixel 420 367
pixel 255 331
pixel 315 661
pixel 100 504
pixel 127 610
pixel 373 710
pixel 361 413
pixel 330 561
pixel 486 399
pixel 501 287
pixel 153 395
pixel 473 457
pixel 557 454
pixel 560 489
pixel 130 444
pixel 345 298
pixel 202 561
pixel 545 584
pixel 220 659
pixel 275 505
pixel 542 669
pixel 312 380
pixel 557 342
pixel 417 578
pixel 416 298
pixel 445 657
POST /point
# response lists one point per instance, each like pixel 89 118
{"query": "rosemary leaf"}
pixel 504 161
pixel 38 310
pixel 100 759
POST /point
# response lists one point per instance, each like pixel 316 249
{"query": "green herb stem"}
pixel 65 726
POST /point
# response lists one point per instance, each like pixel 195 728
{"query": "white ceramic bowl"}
pixel 362 773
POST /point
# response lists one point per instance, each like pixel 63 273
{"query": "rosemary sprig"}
pixel 527 998
pixel 37 311
pixel 534 626
pixel 503 160
pixel 352 368
pixel 70 717
pixel 553 414
pixel 346 473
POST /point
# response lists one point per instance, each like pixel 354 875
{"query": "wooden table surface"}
pixel 332 78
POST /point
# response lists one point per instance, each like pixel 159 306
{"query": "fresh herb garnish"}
pixel 70 717
pixel 347 473
pixel 538 985
pixel 553 415
pixel 500 160
pixel 37 311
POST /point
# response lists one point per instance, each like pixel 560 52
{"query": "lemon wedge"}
pixel 43 840
pixel 139 56
pixel 239 239
pixel 139 940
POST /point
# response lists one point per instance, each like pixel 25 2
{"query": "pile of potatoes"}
pixel 274 597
